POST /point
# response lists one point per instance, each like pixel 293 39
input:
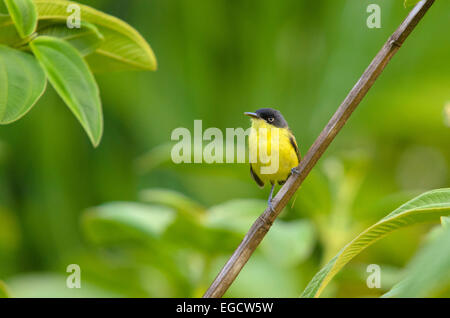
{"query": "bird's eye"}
pixel 270 119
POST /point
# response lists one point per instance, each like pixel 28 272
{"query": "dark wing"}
pixel 294 144
pixel 256 178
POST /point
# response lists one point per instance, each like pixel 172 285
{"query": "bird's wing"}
pixel 294 144
pixel 256 178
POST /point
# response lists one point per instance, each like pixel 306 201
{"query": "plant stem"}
pixel 262 225
pixel 24 42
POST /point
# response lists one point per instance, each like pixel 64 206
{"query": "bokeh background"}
pixel 140 226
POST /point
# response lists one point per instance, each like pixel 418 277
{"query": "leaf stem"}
pixel 24 42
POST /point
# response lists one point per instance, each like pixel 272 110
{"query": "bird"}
pixel 272 122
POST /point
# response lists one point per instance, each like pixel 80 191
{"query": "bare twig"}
pixel 262 225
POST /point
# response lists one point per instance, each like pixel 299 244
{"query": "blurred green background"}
pixel 60 199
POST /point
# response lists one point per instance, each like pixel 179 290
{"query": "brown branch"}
pixel 262 225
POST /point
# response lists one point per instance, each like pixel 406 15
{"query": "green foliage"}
pixel 410 3
pixel 237 216
pixel 18 67
pixel 73 80
pixel 445 222
pixel 8 34
pixel 53 285
pixel 24 15
pixel 174 199
pixel 166 232
pixel 120 222
pixel 107 44
pixel 428 273
pixel 86 39
pixel 159 228
pixel 3 290
pixel 426 207
pixel 123 49
pixel 221 58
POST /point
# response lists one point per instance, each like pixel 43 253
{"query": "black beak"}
pixel 252 115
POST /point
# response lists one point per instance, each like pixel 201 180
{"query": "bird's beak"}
pixel 252 115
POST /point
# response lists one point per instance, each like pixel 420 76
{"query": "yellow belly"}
pixel 287 157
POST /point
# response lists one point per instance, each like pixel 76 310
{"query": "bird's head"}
pixel 271 116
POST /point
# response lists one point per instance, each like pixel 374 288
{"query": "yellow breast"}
pixel 272 155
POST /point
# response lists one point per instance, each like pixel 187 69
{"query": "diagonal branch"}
pixel 262 225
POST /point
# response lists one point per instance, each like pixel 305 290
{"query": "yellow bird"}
pixel 274 153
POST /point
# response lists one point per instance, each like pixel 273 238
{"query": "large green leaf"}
pixel 24 15
pixel 8 32
pixel 74 82
pixel 121 222
pixel 426 207
pixel 86 39
pixel 22 82
pixel 429 270
pixel 123 49
pixel 3 290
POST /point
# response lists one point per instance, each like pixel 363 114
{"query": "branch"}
pixel 262 225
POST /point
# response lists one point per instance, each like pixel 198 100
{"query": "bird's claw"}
pixel 269 203
pixel 295 171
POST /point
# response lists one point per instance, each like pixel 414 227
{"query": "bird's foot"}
pixel 295 171
pixel 271 208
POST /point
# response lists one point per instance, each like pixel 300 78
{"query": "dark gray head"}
pixel 271 116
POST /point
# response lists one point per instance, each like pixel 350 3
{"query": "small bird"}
pixel 271 121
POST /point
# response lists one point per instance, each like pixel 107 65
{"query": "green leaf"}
pixel 3 8
pixel 409 3
pixel 260 278
pixel 24 15
pixel 8 32
pixel 85 39
pixel 297 239
pixel 237 216
pixel 53 285
pixel 173 199
pixel 445 221
pixel 428 272
pixel 190 232
pixel 426 207
pixel 121 222
pixel 123 49
pixel 22 83
pixel 3 290
pixel 74 82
